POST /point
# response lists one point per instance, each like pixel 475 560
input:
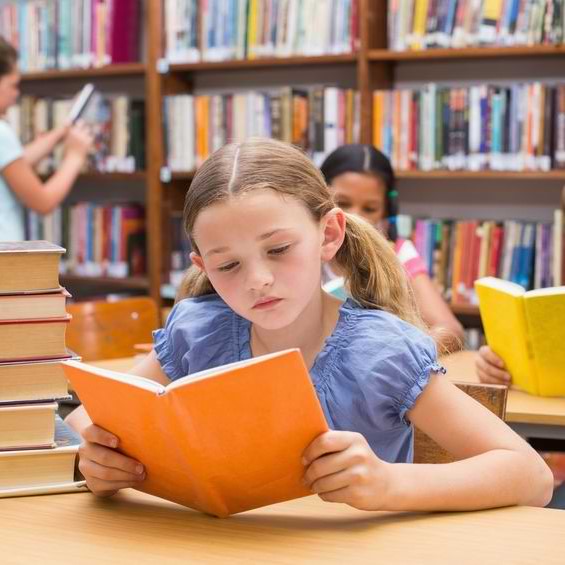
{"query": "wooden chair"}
pixel 492 397
pixel 109 330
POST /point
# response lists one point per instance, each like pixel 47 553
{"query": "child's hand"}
pixel 341 467
pixel 491 368
pixel 106 471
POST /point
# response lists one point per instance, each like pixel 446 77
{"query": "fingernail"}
pixel 114 442
pixel 139 469
pixel 142 477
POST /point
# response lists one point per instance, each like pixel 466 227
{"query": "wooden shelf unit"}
pixel 374 68
pixel 124 69
pixel 468 53
pixel 131 283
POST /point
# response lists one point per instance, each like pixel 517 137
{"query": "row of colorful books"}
pixel 38 450
pixel 506 128
pixel 63 34
pixel 458 252
pixel 428 24
pixel 317 119
pixel 117 123
pixel 101 240
pixel 216 30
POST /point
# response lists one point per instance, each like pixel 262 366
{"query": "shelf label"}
pixel 165 174
pixel 162 66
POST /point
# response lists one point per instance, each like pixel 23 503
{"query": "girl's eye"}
pixel 227 268
pixel 280 250
pixel 371 210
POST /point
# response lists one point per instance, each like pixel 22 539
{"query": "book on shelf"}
pixel 317 119
pixel 518 127
pixel 457 252
pixel 26 426
pixel 32 340
pixel 33 381
pixel 29 267
pixel 117 122
pixel 222 441
pixel 525 328
pixel 68 34
pixel 42 471
pixel 245 29
pixel 101 240
pixel 429 24
pixel 33 306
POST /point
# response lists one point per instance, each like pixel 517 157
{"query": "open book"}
pixel 221 441
pixel 80 103
pixel 526 329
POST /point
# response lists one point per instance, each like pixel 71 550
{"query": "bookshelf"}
pixel 373 67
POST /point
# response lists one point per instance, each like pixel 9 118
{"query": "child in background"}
pixel 363 183
pixel 262 222
pixel 19 185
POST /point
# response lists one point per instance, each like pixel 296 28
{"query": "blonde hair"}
pixel 374 276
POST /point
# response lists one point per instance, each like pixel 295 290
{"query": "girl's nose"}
pixel 259 277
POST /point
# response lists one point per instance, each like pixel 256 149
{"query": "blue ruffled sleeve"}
pixel 383 367
pixel 199 335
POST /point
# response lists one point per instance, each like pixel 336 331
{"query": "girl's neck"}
pixel 308 332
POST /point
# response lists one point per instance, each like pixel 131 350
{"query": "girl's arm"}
pixel 44 197
pixel 106 470
pixel 498 468
pixel 43 145
pixel 444 326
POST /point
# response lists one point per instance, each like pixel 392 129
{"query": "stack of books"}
pixel 38 451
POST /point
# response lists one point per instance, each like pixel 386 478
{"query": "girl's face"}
pixel 361 194
pixel 9 90
pixel 262 252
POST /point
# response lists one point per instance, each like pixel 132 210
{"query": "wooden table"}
pixel 136 528
pixel 531 416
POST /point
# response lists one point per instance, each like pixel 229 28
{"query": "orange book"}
pixel 220 441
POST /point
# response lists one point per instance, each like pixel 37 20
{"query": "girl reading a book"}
pixel 262 222
pixel 363 183
pixel 19 185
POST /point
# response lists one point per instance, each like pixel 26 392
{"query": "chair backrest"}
pixel 109 330
pixel 492 397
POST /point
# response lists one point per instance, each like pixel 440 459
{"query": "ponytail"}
pixel 375 278
pixel 194 283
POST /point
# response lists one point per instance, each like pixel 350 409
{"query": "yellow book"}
pixel 419 25
pixel 526 330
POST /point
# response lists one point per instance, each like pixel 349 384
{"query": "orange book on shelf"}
pixel 220 441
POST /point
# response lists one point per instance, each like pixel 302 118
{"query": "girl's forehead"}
pixel 249 212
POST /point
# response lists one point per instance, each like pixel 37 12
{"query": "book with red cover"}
pixel 221 441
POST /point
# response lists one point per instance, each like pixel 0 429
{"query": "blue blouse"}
pixel 368 375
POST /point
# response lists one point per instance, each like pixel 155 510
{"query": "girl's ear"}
pixel 197 261
pixel 333 232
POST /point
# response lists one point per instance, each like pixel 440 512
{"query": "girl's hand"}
pixel 341 467
pixel 106 471
pixel 491 368
pixel 79 140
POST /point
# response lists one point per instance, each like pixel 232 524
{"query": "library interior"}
pixel 172 353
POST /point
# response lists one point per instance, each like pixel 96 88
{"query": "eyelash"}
pixel 275 252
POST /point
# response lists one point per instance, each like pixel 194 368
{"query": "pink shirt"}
pixel 408 256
